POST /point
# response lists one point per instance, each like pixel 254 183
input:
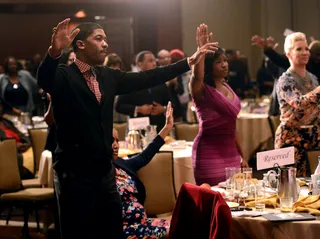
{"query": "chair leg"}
pixel 25 228
pixel 9 216
pixel 37 219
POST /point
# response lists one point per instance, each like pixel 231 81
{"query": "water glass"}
pixel 230 177
pixel 259 198
pixel 247 173
pixel 286 204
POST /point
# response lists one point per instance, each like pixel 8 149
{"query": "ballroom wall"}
pixel 26 28
pixel 235 21
pixel 26 24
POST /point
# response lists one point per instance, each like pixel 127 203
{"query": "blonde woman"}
pixel 298 94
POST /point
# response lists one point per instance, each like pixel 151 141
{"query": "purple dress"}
pixel 214 148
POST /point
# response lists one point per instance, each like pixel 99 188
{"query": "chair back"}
pixel 185 131
pixel 313 159
pixel 38 139
pixel 10 180
pixel 122 129
pixel 274 122
pixel 158 179
pixel 203 212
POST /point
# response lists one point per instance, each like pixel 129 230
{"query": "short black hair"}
pixel 85 30
pixel 140 56
pixel 208 66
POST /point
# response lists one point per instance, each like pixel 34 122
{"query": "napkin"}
pixel 301 182
pixel 310 204
pixel 272 201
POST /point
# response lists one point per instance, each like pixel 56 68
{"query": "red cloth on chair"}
pixel 200 213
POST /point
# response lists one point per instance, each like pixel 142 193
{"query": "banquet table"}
pixel 259 227
pixel 253 130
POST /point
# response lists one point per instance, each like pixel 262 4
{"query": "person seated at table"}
pixel 8 131
pixel 132 191
pixel 298 94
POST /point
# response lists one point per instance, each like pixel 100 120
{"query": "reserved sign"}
pixel 138 123
pixel 267 159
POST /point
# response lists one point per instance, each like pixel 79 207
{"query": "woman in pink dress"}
pixel 216 145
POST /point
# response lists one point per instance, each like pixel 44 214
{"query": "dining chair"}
pixel 313 159
pixel 158 179
pixel 122 129
pixel 38 139
pixel 12 193
pixel 200 213
pixel 186 131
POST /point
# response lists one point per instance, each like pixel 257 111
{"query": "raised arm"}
pixel 146 156
pixel 130 81
pixel 61 39
pixel 286 89
pixel 268 45
pixel 197 78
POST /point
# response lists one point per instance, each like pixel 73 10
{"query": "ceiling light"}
pixel 80 14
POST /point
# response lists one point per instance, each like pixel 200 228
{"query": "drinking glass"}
pixel 259 198
pixel 286 204
pixel 230 171
pixel 239 187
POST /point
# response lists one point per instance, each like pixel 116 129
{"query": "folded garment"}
pixel 310 204
pixel 272 201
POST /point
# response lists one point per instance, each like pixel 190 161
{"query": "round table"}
pixel 253 129
pixel 259 227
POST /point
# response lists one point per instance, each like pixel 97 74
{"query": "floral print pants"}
pixel 303 139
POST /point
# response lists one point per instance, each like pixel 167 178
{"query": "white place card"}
pixel 138 123
pixel 267 159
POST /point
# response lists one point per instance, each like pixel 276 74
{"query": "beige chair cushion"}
pixel 38 140
pixel 29 194
pixel 158 180
pixel 31 183
pixel 122 129
pixel 9 171
pixel 186 131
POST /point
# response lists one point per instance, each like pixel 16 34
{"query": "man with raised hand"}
pixel 82 99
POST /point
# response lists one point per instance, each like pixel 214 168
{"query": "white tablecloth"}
pixel 253 129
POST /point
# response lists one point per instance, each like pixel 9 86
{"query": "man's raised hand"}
pixel 61 39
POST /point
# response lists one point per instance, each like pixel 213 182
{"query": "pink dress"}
pixel 214 148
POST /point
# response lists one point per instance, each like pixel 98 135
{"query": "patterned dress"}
pixel 135 221
pixel 300 127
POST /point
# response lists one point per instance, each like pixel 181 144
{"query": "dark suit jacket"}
pixel 84 127
pixel 282 61
pixel 132 165
pixel 126 104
